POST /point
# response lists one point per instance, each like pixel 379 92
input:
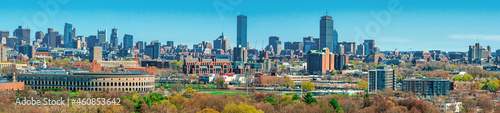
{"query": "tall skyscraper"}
pixel 91 41
pixel 221 43
pixel 4 34
pixel 96 53
pixel 51 37
pixel 370 46
pixel 240 54
pixel 327 34
pixel 242 31
pixel 276 43
pixel 3 52
pixel 101 35
pixel 141 46
pixel 68 35
pixel 59 40
pixel 23 35
pixel 27 50
pixel 170 43
pixel 153 50
pixel 128 41
pixel 39 35
pixel 114 38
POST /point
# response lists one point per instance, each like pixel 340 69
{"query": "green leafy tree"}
pixel 308 86
pixel 272 100
pixel 336 105
pixel 420 75
pixel 308 98
pixel 296 97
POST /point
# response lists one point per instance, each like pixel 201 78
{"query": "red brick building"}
pixel 12 86
pixel 201 66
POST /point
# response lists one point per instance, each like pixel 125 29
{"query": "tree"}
pixel 189 92
pixel 288 82
pixel 296 97
pixel 208 110
pixel 241 108
pixel 420 75
pixel 220 82
pixel 272 100
pixel 286 100
pixel 363 85
pixel 469 105
pixel 308 98
pixel 336 105
pixel 308 86
pixel 477 85
pixel 282 67
pixel 493 84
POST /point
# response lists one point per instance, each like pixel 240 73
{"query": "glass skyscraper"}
pixel 242 31
pixel 114 38
pixel 101 35
pixel 128 41
pixel 327 34
pixel 68 35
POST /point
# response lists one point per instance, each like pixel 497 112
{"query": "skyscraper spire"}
pixel 327 12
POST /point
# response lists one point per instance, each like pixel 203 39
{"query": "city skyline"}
pixel 449 28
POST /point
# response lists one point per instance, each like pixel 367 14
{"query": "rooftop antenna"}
pixel 255 45
pixel 327 12
pixel 262 44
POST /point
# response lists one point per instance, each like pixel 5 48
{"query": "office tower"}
pixel 101 35
pixel 23 35
pixel 4 34
pixel 113 41
pixel 11 41
pixel 323 61
pixel 308 43
pixel 369 46
pixel 51 38
pixel 497 52
pixel 340 48
pixel 141 45
pixel 39 35
pixel 27 50
pixel 68 35
pixel 128 41
pixel 381 78
pixel 73 32
pixel 276 43
pixel 341 61
pixel 242 31
pixel 222 43
pixel 91 41
pixel 170 43
pixel 327 34
pixel 81 42
pixel 478 54
pixel 240 54
pixel 288 45
pixel 95 53
pixel 349 47
pixel 59 41
pixel 153 50
pixel 3 52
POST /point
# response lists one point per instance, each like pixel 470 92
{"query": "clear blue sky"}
pixel 449 25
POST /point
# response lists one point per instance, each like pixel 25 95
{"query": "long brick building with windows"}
pixel 201 66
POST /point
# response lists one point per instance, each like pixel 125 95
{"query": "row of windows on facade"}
pixel 94 89
pixel 28 82
pixel 60 78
